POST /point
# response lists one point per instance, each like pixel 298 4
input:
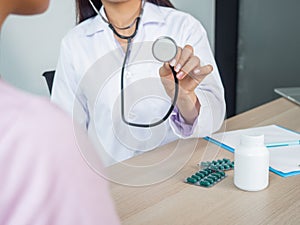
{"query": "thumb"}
pixel 165 70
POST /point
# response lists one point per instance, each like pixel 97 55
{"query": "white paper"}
pixel 284 159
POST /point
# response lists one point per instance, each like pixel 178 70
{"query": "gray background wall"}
pixel 269 50
pixel 30 45
pixel 204 11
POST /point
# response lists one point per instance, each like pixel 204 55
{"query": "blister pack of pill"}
pixel 210 173
pixel 220 164
pixel 206 177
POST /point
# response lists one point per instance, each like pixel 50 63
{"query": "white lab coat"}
pixel 89 68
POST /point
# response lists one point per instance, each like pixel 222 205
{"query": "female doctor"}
pixel 107 25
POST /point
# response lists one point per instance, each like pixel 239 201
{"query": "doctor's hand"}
pixel 190 74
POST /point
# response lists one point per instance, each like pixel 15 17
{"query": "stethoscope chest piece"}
pixel 164 49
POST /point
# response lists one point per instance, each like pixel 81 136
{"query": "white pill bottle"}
pixel 251 163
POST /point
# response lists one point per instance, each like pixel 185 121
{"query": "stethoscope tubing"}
pixel 166 116
pixel 129 42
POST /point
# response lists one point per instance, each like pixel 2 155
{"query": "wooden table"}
pixel 175 202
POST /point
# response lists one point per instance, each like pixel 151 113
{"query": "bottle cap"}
pixel 252 140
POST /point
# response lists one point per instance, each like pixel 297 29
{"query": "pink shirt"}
pixel 43 177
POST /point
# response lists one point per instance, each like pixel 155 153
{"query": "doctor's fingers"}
pixel 182 57
pixel 192 66
pixel 174 62
pixel 199 73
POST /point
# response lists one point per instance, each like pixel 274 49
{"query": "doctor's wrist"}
pixel 189 107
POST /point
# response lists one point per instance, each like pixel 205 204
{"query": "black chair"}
pixel 49 76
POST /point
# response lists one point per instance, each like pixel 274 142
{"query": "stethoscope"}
pixel 164 49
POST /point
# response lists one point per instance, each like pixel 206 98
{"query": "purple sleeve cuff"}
pixel 180 124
